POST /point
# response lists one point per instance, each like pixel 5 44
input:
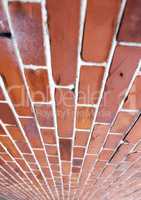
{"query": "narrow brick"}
pixel 65 149
pixel 40 155
pixel 44 115
pixel 122 69
pixel 65 112
pixel 90 84
pixel 27 24
pixel 64 44
pixel 38 84
pixel 101 19
pixel 130 30
pixel 85 116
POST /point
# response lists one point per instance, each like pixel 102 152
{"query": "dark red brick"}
pixel 27 24
pixel 101 19
pixel 64 44
pixel 38 84
pixel 44 115
pixel 122 69
pixel 90 84
pixel 6 114
pixel 130 30
pixel 65 149
pixel 65 111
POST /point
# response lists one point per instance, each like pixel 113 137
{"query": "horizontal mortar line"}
pixel 71 86
pixel 129 110
pixel 87 105
pixel 131 44
pixel 101 123
pixel 42 102
pixel 87 63
pixel 3 101
pixel 35 67
pixel 115 133
pixel 82 130
pixel 26 117
pixel 26 1
pixel 45 127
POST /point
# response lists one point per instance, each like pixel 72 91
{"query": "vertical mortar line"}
pixel 20 126
pixel 83 7
pixel 28 93
pixel 113 47
pixel 52 84
pixel 6 131
pixel 121 104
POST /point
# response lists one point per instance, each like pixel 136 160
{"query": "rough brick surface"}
pixel 70 100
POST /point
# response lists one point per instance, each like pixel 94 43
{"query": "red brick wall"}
pixel 70 99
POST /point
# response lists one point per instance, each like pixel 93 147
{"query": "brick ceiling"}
pixel 70 99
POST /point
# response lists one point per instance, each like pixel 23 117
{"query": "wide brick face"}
pixel 70 100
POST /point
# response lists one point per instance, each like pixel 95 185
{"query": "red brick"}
pixel 90 84
pixel 1 94
pixel 22 164
pixel 85 116
pixel 53 160
pixel 123 121
pixel 6 114
pixel 27 24
pixel 4 27
pixel 98 137
pixel 112 141
pixel 65 149
pixel 40 156
pixel 77 162
pixel 15 133
pixel 38 84
pixel 23 146
pixel 64 44
pixel 81 138
pixel 134 135
pixel 29 158
pixel 105 154
pixel 65 111
pixel 76 169
pixel 133 100
pixel 122 69
pixel 2 131
pixel 99 166
pixel 31 132
pixel 130 30
pixel 44 115
pixel 107 171
pixel 48 136
pixel 51 150
pixel 101 19
pixel 78 152
pixel 66 166
pixel 9 68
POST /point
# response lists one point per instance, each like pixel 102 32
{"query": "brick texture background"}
pixel 70 99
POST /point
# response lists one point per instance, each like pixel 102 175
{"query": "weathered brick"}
pixel 90 84
pixel 44 115
pixel 65 111
pixel 31 132
pixel 98 137
pixel 122 69
pixel 27 24
pixel 63 45
pixel 84 117
pixel 101 19
pixel 78 152
pixel 123 121
pixel 38 84
pixel 130 30
pixel 81 138
pixel 11 74
pixel 48 136
pixel 65 149
pixel 51 150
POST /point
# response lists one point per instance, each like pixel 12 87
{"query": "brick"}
pixel 97 12
pixel 15 133
pixel 130 30
pixel 81 138
pixel 123 121
pixel 90 84
pixel 27 24
pixel 38 84
pixel 23 164
pixel 4 27
pixel 51 150
pixel 98 137
pixel 23 146
pixel 44 115
pixel 53 160
pixel 76 169
pixel 112 141
pixel 78 152
pixel 85 116
pixel 48 136
pixel 65 111
pixel 6 114
pixel 40 156
pixel 123 67
pixel 77 162
pixel 31 132
pixel 105 155
pixel 133 99
pixel 134 135
pixel 64 45
pixel 65 149
pixel 2 131
pixel 29 158
pixel 66 166
pixel 9 68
